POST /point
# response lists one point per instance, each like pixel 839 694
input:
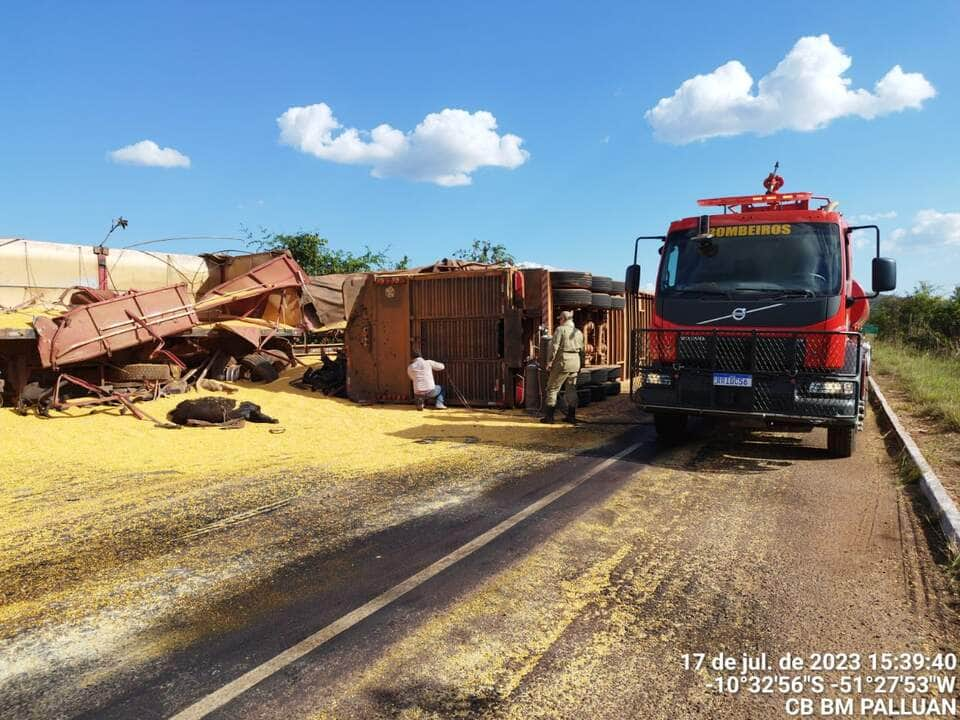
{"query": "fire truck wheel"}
pixel 670 428
pixel 841 441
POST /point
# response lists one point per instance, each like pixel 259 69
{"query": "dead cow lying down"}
pixel 217 411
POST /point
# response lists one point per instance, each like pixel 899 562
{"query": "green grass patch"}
pixel 932 382
pixel 953 567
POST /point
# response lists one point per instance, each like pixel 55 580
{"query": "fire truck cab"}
pixel 757 318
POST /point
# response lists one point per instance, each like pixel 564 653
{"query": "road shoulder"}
pixel 909 435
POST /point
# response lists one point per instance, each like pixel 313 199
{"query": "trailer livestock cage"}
pixel 485 323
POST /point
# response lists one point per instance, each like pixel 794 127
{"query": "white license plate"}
pixel 733 380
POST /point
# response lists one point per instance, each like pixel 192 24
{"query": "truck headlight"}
pixel 657 379
pixel 830 387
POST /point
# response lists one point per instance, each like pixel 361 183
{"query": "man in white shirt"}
pixel 420 371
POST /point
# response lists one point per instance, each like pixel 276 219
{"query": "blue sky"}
pixel 574 81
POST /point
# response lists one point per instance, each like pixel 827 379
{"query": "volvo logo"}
pixel 739 314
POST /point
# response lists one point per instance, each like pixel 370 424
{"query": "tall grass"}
pixel 932 381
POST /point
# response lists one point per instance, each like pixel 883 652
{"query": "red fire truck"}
pixel 757 318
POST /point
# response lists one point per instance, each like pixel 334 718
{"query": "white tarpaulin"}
pixel 39 272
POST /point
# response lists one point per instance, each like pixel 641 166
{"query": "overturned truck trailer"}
pixel 483 322
pixel 479 323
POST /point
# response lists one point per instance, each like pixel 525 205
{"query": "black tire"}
pixel 569 279
pixel 617 287
pixel 615 373
pixel 584 378
pixel 601 301
pixel 571 298
pixel 841 441
pixel 597 393
pixel 601 283
pixel 137 372
pixel 598 376
pixel 617 303
pixel 584 396
pixel 671 428
pixel 611 388
pixel 259 367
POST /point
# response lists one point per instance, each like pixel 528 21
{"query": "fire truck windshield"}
pixel 779 259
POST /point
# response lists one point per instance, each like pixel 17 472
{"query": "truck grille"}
pixel 782 368
pixel 781 353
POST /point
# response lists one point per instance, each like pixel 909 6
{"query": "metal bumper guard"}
pixel 810 377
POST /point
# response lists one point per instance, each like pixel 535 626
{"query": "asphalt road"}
pixel 728 543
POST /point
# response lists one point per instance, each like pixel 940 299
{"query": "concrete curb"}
pixel 943 506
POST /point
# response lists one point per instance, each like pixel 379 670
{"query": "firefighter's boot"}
pixel 571 416
pixel 548 414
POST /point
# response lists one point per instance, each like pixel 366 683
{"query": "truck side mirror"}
pixel 884 274
pixel 632 281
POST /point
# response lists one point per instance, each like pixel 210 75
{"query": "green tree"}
pixel 316 257
pixel 924 319
pixel 483 251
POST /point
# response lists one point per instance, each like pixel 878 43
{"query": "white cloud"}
pixel 148 153
pixel 872 217
pixel 533 265
pixel 895 238
pixel 930 229
pixel 445 148
pixel 935 227
pixel 806 91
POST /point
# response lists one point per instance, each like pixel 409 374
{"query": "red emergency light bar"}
pixel 800 200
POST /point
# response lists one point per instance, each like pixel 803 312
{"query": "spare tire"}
pixel 584 377
pixel 597 393
pixel 570 298
pixel 611 388
pixel 584 396
pixel 615 373
pixel 599 375
pixel 600 300
pixel 570 279
pixel 137 372
pixel 617 303
pixel 617 287
pixel 601 283
pixel 259 366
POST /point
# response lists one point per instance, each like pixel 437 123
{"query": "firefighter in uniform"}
pixel 563 363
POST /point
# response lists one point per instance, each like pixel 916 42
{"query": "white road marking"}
pixel 235 688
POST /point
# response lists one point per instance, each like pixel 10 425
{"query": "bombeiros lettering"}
pixel 751 230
